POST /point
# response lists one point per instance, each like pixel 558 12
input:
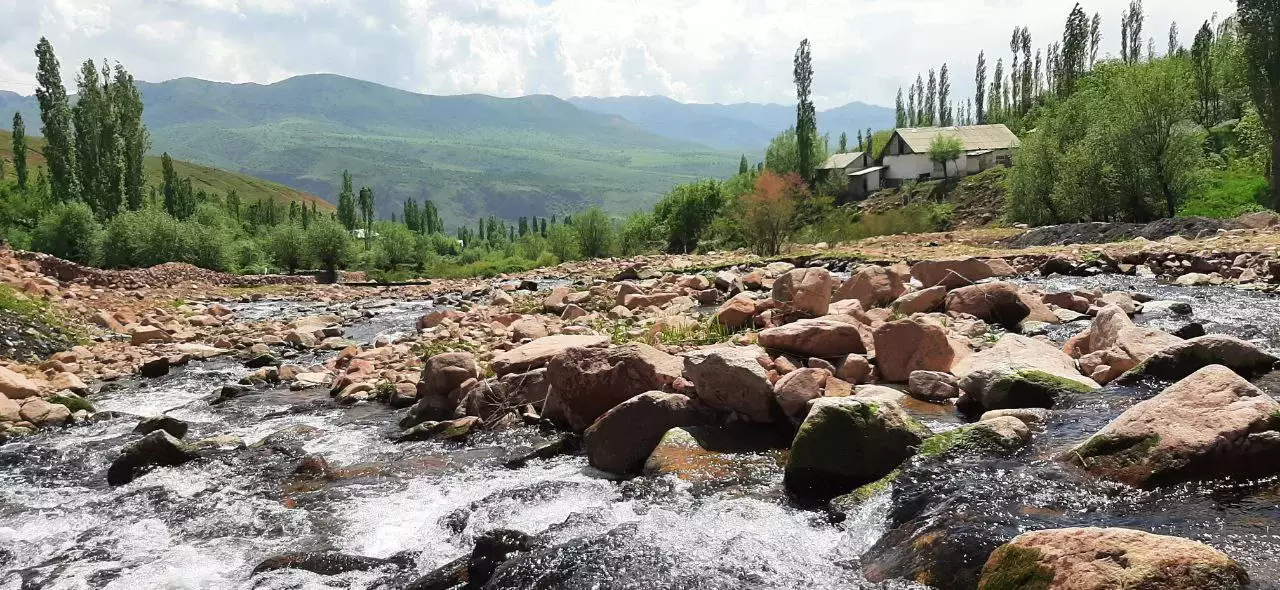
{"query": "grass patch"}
pixel 1227 193
pixel 1016 568
pixel 39 311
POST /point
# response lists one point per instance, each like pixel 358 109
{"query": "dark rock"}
pixel 169 424
pixel 229 392
pixel 1189 331
pixel 448 430
pixel 157 449
pixel 262 360
pixel 327 563
pixel 156 367
pixel 566 444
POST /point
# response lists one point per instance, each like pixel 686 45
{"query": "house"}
pixel 906 155
pixel 859 168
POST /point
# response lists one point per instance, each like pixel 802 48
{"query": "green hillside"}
pixel 472 155
pixel 209 179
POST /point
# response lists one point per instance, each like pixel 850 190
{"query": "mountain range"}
pixel 472 155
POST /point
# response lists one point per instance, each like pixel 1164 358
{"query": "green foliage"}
pixel 396 246
pixel 20 151
pixel 595 233
pixel 329 244
pixel 1228 193
pixel 55 114
pixel 288 243
pixel 944 150
pixel 347 203
pixel 687 211
pixel 806 116
pixel 68 231
pixel 640 233
pixel 151 236
pixel 563 242
pixel 783 155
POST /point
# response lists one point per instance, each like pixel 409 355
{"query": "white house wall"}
pixel 908 166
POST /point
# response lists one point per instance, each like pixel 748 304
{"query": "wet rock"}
pixel 952 273
pixel 587 382
pixel 997 303
pixel 1105 558
pixel 43 413
pixel 844 443
pixel 821 337
pixel 1032 417
pixel 228 392
pixel 796 389
pixel 326 563
pixel 904 346
pixel 713 454
pixel 1000 433
pixel 157 449
pixel 16 386
pixel 922 301
pixel 932 386
pixel 156 367
pixel 169 424
pixel 565 444
pixel 262 360
pixel 1113 344
pixel 1018 372
pixel 804 290
pixel 621 439
pixel 729 378
pixel 1211 424
pixel 538 353
pixel 1067 300
pixel 873 286
pixel 1184 358
pixel 447 430
pixel 1189 331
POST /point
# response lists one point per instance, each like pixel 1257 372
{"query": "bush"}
pixel 142 238
pixel 595 233
pixel 248 257
pixel 68 231
pixel 205 246
pixel 288 247
pixel 640 233
pixel 1228 193
pixel 396 245
pixel 563 242
pixel 329 244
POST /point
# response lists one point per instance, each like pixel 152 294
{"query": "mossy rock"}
pixel 979 437
pixel 1011 567
pixel 841 506
pixel 1025 388
pixel 72 402
pixel 845 443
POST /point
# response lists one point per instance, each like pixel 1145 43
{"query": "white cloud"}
pixel 705 51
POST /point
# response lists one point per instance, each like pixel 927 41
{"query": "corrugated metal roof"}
pixel 866 171
pixel 974 137
pixel 840 161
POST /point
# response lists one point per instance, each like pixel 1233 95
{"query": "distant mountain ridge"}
pixel 745 127
pixel 472 155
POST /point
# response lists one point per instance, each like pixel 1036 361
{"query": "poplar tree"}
pixel 980 88
pixel 945 118
pixel 126 102
pixel 742 169
pixel 806 116
pixel 20 150
pixel 1260 31
pixel 366 212
pixel 844 142
pixel 55 116
pixel 1095 38
pixel 347 203
pixel 900 111
pixel 931 100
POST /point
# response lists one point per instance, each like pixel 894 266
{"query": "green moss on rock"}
pixel 1015 568
pixel 1029 388
pixel 72 402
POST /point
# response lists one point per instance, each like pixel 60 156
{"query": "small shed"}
pixel 906 155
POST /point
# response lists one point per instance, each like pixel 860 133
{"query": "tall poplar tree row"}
pixel 20 150
pixel 55 116
pixel 980 88
pixel 806 116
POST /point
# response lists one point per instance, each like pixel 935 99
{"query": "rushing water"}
pixel 208 523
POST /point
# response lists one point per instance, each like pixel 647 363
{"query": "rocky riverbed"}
pixel 1043 420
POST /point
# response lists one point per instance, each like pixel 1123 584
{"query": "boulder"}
pixel 997 303
pixel 1186 357
pixel 587 382
pixel 999 434
pixel 932 386
pixel 846 442
pixel 1112 344
pixel 43 413
pixel 554 302
pixel 622 438
pixel 1066 300
pixel 444 372
pixel 173 426
pixel 529 327
pixel 17 386
pixel 904 346
pixel 855 369
pixel 1106 559
pixel 830 336
pixel 872 286
pixel 796 389
pixel 448 430
pixel 10 410
pixel 737 312
pixel 718 455
pixel 537 353
pixel 499 395
pixel 1211 424
pixel 729 378
pixel 922 301
pixel 157 449
pixel 141 335
pixel 1018 372
pixel 804 290
pixel 951 273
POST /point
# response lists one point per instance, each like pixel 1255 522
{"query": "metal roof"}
pixel 866 171
pixel 840 161
pixel 974 137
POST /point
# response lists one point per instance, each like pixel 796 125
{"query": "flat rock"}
pixel 539 352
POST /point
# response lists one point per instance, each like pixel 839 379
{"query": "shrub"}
pixel 68 231
pixel 562 241
pixel 595 233
pixel 288 247
pixel 639 234
pixel 396 245
pixel 329 244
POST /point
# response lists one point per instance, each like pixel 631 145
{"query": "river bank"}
pixel 704 421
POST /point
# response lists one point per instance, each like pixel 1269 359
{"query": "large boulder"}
pixel 904 346
pixel 719 455
pixel 922 301
pixel 1186 357
pixel 1211 424
pixel 1113 344
pixel 804 290
pixel 872 286
pixel 796 389
pixel 1106 559
pixel 43 413
pixel 511 392
pixel 446 371
pixel 1018 372
pixel 621 439
pixel 737 312
pixel 955 273
pixel 587 382
pixel 538 353
pixel 847 442
pixel 824 337
pixel 997 303
pixel 731 379
pixel 16 386
pixel 157 449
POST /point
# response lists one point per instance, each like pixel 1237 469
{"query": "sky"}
pixel 690 50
